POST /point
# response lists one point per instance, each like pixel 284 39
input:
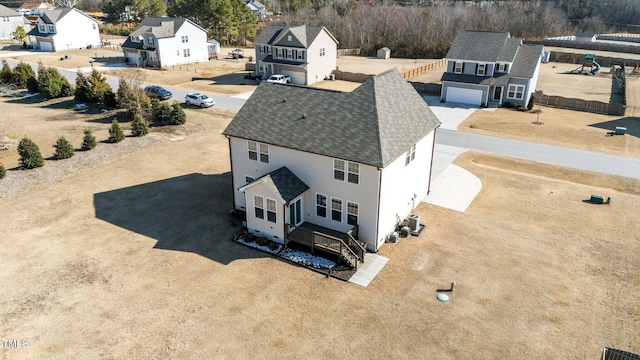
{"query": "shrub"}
pixel 98 86
pixel 5 73
pixel 32 85
pixel 82 93
pixel 178 117
pixel 30 156
pixel 3 171
pixel 530 104
pixel 163 113
pixel 115 132
pixel 63 147
pixel 110 99
pixel 21 74
pixel 52 84
pixel 88 141
pixel 139 126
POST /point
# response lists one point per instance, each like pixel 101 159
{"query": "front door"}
pixel 295 213
pixel 497 93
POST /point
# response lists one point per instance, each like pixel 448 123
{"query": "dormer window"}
pixel 481 69
pixel 51 29
pixel 458 68
pixel 150 41
pixel 42 28
pixel 502 67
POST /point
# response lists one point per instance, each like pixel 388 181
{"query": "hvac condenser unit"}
pixel 394 237
pixel 414 222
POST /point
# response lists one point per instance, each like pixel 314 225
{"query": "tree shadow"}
pixel 186 213
pixel 631 123
pixel 237 78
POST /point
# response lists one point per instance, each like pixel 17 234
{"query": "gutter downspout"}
pixel 233 189
pixel 433 151
pixel 378 212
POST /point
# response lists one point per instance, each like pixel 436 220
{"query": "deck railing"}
pixel 351 250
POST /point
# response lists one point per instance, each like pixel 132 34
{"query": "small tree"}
pixel 139 126
pixel 82 92
pixel 5 73
pixel 163 113
pixel 89 141
pixel 30 156
pixel 3 171
pixel 20 34
pixel 115 132
pixel 110 99
pixel 21 73
pixel 52 84
pixel 98 85
pixel 530 104
pixel 178 117
pixel 63 147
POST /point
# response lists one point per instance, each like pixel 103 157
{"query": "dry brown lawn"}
pixel 127 254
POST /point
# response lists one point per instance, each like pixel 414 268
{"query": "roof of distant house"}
pixel 374 124
pixel 5 11
pixel 305 34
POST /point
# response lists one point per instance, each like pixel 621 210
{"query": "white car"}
pixel 279 79
pixel 199 99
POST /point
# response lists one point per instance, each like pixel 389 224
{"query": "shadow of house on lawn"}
pixel 631 123
pixel 237 78
pixel 185 213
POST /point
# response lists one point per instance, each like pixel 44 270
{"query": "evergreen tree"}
pixel 115 132
pixel 163 113
pixel 124 94
pixel 3 171
pixel 21 74
pixel 178 117
pixel 52 84
pixel 82 93
pixel 88 141
pixel 98 86
pixel 64 150
pixel 139 126
pixel 5 73
pixel 30 156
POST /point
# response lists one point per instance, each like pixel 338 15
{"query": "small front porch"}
pixel 319 238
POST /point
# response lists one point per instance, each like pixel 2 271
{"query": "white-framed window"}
pixel 289 54
pixel 336 209
pixel 178 52
pixel 258 206
pixel 322 51
pixel 272 215
pixel 42 28
pixel 152 57
pixel 258 151
pixel 150 41
pixel 321 205
pixel 481 69
pixel 269 50
pixel 502 67
pixel 515 92
pixel 93 26
pixel 300 55
pixel 185 39
pixel 353 172
pixel 279 52
pixel 352 213
pixel 187 52
pixel 457 68
pixel 288 37
pixel 51 28
pixel 264 153
pixel 253 150
pixel 338 169
pixel 262 49
pixel 410 155
pixel 248 179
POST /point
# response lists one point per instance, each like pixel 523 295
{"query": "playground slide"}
pixel 596 68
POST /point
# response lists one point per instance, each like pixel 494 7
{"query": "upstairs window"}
pixel 262 49
pixel 187 52
pixel 279 54
pixel 289 54
pixel 288 37
pixel 185 39
pixel 150 41
pixel 258 150
pixel 300 55
pixel 264 153
pixel 502 67
pixel 410 155
pixel 248 179
pixel 258 206
pixel 51 29
pixel 481 69
pixel 348 168
pixel 253 150
pixel 338 169
pixel 458 68
pixel 42 28
pixel 269 50
pixel 322 51
pixel 353 173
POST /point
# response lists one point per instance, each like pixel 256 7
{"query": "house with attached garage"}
pixel 10 20
pixel 305 53
pixel 490 68
pixel 315 166
pixel 63 29
pixel 166 41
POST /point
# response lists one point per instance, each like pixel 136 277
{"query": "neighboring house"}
pixel 330 161
pixel 63 29
pixel 586 38
pixel 490 68
pixel 305 53
pixel 34 8
pixel 9 22
pixel 166 41
pixel 258 9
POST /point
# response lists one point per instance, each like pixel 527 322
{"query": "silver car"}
pixel 199 99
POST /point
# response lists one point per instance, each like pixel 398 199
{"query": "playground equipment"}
pixel 590 63
pixel 636 68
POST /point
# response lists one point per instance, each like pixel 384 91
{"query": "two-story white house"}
pixel 166 41
pixel 63 29
pixel 485 68
pixel 308 160
pixel 307 54
pixel 10 20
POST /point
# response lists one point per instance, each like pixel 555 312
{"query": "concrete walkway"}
pixel 372 265
pixel 454 189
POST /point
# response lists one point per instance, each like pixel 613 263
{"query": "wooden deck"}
pixel 318 237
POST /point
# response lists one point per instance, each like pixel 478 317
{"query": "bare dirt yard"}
pixel 125 252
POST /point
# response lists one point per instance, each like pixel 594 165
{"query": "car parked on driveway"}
pixel 199 99
pixel 159 92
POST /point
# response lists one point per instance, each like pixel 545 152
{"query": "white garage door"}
pixel 45 46
pixel 297 77
pixel 464 96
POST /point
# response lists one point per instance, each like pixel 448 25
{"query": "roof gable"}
pixel 298 36
pixel 55 15
pixel 374 124
pixel 478 45
pixel 161 26
pixel 526 61
pixel 5 11
pixel 282 182
pixel 306 35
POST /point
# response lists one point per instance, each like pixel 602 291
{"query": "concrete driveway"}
pixel 451 114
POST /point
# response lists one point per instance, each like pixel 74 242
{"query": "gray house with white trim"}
pixel 10 20
pixel 307 161
pixel 490 68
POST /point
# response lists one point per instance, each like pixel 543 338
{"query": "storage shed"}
pixel 384 53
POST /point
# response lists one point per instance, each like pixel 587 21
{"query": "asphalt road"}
pixel 608 164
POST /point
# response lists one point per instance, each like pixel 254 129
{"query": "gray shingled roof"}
pixel 160 26
pixel 509 50
pixel 478 45
pixel 374 124
pixel 284 183
pixel 5 11
pixel 52 16
pixel 305 34
pixel 526 61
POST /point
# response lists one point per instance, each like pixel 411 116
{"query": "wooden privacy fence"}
pixel 423 69
pixel 597 107
pixel 573 58
pixel 348 52
pixel 356 77
pixel 629 49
